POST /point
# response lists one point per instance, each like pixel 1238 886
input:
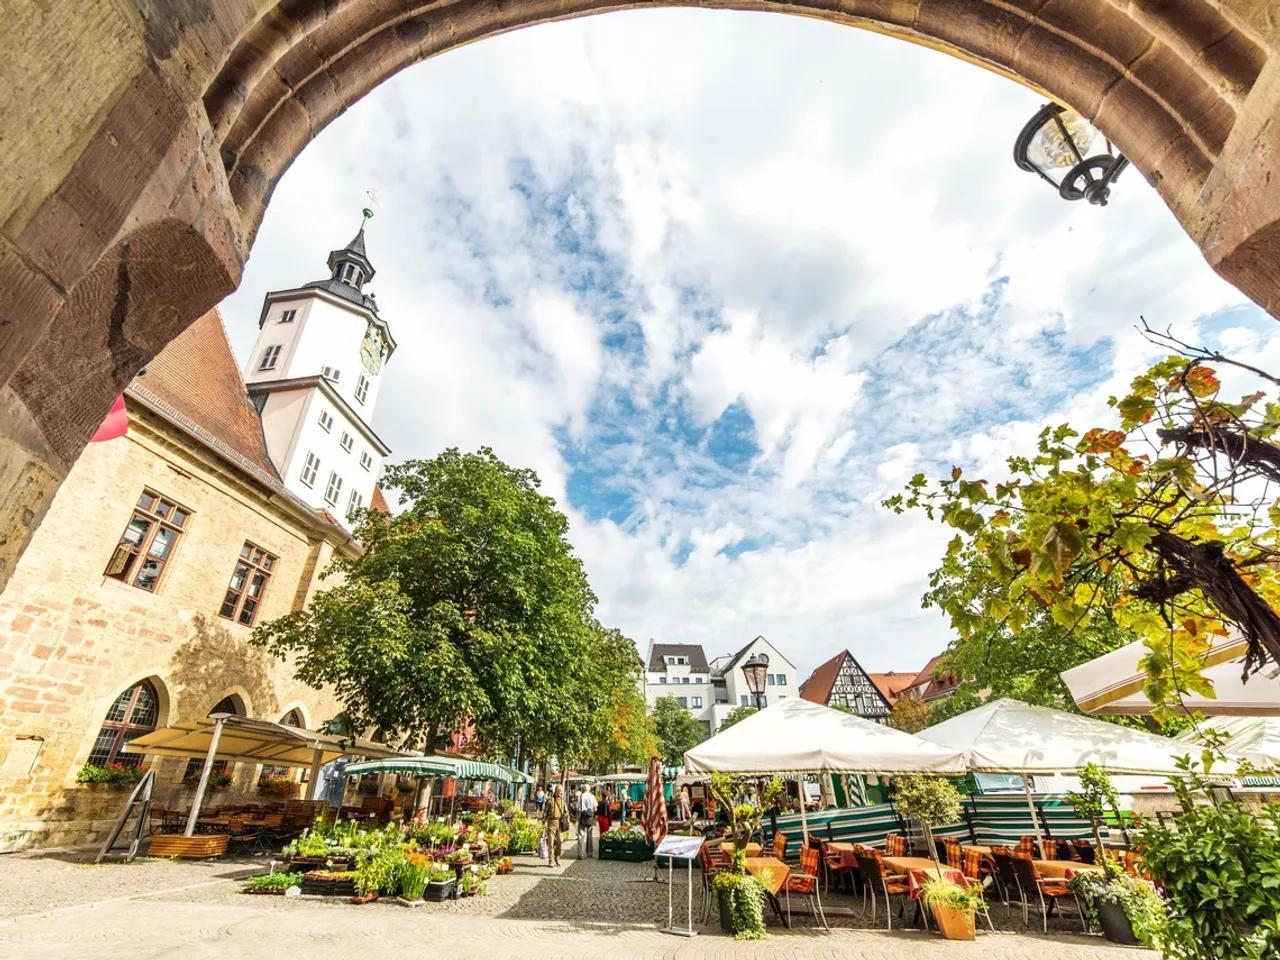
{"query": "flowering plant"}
pixel 113 774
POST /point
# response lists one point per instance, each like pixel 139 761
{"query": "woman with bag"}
pixel 555 824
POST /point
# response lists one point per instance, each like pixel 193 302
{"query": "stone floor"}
pixel 57 906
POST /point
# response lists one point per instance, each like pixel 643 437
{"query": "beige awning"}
pixel 255 741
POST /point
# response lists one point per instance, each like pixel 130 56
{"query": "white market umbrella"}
pixel 1256 739
pixel 1009 736
pixel 1113 682
pixel 794 737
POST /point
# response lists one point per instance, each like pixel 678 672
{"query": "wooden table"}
pixel 1057 869
pixel 903 864
pixel 771 873
pixel 753 849
pixel 985 851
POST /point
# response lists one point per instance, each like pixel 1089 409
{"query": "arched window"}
pixel 225 705
pixel 134 713
pixel 291 719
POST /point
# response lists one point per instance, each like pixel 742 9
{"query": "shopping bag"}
pixel 542 847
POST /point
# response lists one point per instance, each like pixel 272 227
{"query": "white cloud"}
pixel 605 244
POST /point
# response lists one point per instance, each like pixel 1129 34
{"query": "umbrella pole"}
pixel 316 764
pixel 204 778
pixel 804 819
pixel 1035 820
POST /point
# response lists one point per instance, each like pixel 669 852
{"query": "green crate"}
pixel 630 851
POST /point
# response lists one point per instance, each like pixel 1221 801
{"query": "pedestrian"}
pixel 586 821
pixel 540 798
pixel 684 807
pixel 555 824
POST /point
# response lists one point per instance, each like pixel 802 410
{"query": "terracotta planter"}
pixel 954 923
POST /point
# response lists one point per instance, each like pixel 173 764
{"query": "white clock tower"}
pixel 314 375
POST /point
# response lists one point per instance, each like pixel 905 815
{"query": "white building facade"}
pixel 314 375
pixel 711 690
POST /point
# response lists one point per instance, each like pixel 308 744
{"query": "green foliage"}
pixel 932 800
pixel 746 898
pixel 938 892
pixel 470 603
pixel 413 875
pixel 618 734
pixel 910 714
pixel 274 881
pixel 379 870
pixel 1163 527
pixel 113 774
pixel 736 715
pixel 1220 868
pixel 746 799
pixel 1095 798
pixel 676 730
pixel 1141 904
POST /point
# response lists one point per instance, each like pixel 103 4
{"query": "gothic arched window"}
pixel 132 714
pixel 194 765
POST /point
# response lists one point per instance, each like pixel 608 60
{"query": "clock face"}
pixel 371 351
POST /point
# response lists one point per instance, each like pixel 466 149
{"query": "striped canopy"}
pixel 461 768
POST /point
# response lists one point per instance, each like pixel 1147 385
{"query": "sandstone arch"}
pixel 177 119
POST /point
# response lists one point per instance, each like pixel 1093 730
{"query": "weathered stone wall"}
pixel 71 640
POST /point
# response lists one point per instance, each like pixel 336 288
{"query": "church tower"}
pixel 314 374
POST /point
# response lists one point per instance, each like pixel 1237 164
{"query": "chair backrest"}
pixel 895 845
pixel 1025 870
pixel 871 867
pixel 1002 857
pixel 1027 845
pixel 971 863
pixel 953 853
pixel 809 860
pixel 780 845
pixel 1084 851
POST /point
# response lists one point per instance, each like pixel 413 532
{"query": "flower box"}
pixel 320 884
pixel 438 892
pixel 635 851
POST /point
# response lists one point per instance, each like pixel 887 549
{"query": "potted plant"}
pixel 741 901
pixel 330 883
pixel 933 801
pixel 740 896
pixel 441 883
pixel 115 775
pixel 273 883
pixel 953 906
pixel 459 860
pixel 413 878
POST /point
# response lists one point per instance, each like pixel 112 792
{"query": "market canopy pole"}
pixel 316 764
pixel 1035 819
pixel 204 775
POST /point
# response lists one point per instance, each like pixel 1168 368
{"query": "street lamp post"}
pixel 754 670
pixel 1069 153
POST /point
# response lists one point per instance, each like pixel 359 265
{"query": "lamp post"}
pixel 1069 153
pixel 754 671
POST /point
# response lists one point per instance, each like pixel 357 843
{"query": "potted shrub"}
pixel 954 907
pixel 741 901
pixel 741 897
pixel 413 878
pixel 441 883
pixel 933 801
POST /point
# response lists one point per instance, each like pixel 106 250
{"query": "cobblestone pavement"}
pixel 55 907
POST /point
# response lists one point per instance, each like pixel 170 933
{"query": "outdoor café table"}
pixel 985 851
pixel 900 865
pixel 753 849
pixel 846 852
pixel 1064 869
pixel 916 879
pixel 771 873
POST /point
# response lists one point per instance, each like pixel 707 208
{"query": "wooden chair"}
pixel 780 846
pixel 1027 847
pixel 882 884
pixel 1048 892
pixel 1006 879
pixel 712 862
pixel 971 869
pixel 896 845
pixel 805 883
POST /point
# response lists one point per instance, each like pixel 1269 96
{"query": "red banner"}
pixel 116 423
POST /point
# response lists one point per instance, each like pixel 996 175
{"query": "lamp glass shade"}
pixel 754 670
pixel 1064 141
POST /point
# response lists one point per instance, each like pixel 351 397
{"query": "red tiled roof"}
pixel 892 683
pixel 196 375
pixel 818 687
pixel 378 502
pixel 935 683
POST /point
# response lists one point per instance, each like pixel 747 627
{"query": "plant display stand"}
pixel 325 887
pixel 439 892
pixel 200 846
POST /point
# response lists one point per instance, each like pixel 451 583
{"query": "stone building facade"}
pixel 89 616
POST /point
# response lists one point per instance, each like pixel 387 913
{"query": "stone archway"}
pixel 134 176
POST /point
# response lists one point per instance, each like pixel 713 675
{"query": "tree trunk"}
pixel 1241 448
pixel 1205 566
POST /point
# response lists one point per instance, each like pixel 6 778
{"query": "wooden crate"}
pixel 198 847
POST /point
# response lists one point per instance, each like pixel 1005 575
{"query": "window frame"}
pixel 313 462
pixel 131 571
pixel 258 563
pixel 288 316
pixel 325 420
pixel 366 460
pixel 362 389
pixel 126 724
pixel 331 488
pixel 346 441
pixel 354 502
pixel 271 356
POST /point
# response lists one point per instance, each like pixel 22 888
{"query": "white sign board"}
pixel 679 848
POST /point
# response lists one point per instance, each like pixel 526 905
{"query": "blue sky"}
pixel 725 280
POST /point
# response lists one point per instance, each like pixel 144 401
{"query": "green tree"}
pixel 676 730
pixel 468 604
pixel 736 715
pixel 618 732
pixel 1164 523
pixel 910 714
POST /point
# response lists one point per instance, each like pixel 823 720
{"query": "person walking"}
pixel 586 821
pixel 684 808
pixel 540 798
pixel 555 823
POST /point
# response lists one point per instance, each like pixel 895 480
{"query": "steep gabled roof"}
pixel 891 684
pixel 934 682
pixel 197 377
pixel 697 659
pixel 378 501
pixel 818 687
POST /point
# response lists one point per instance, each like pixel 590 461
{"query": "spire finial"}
pixel 367 216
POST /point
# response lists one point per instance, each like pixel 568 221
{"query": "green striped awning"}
pixel 461 768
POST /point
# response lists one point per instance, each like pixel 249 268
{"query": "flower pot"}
pixel 954 923
pixel 439 892
pixel 1115 923
pixel 726 917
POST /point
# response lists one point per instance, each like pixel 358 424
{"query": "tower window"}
pixel 362 388
pixel 150 537
pixel 332 374
pixel 269 357
pixel 333 489
pixel 346 441
pixel 349 273
pixel 310 467
pixel 326 420
pixel 355 503
pixel 248 585
pixel 366 461
pixel 288 316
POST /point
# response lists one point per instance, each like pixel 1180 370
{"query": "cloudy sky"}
pixel 725 280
